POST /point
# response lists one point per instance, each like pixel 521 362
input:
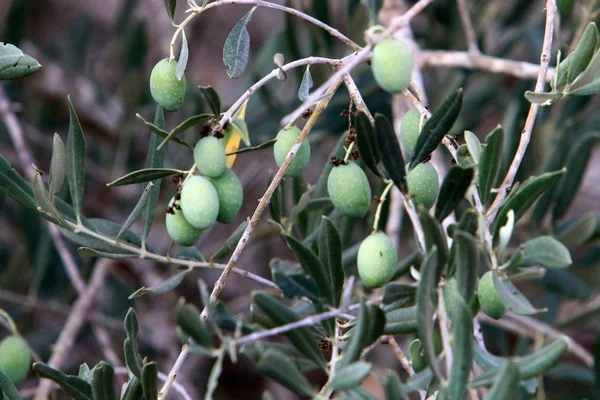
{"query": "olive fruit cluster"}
pixel 217 195
pixel 15 358
pixel 285 140
pixel 166 89
pixel 392 65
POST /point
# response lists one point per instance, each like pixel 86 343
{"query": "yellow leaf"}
pixel 232 136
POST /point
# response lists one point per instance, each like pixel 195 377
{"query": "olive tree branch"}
pixel 533 110
pixel 467 22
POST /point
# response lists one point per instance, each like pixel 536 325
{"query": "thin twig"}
pixel 170 379
pixel 163 377
pixel 467 22
pixel 533 110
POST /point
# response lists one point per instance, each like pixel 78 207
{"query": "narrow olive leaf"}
pixel 136 212
pixel 494 364
pixel 8 391
pixel 369 326
pixel 292 282
pixel 242 129
pixel 170 6
pixel 589 81
pixel 350 375
pixel 489 164
pixel 474 146
pixel 578 160
pixel 434 237
pixel 305 85
pixel 237 47
pixel 367 142
pixel 211 98
pixel 543 99
pixel 506 384
pixel 103 382
pixel 183 57
pixel 426 306
pixel 576 232
pixel 545 251
pixel 58 167
pixel 392 387
pixel 134 390
pixel 525 195
pixel 512 297
pixel 188 318
pixel 312 265
pixel 150 381
pixel 73 386
pixel 231 241
pixel 576 62
pixel 133 359
pixel 466 264
pixel 162 133
pixel 453 190
pixel 302 338
pixel 163 287
pixel 15 186
pixel 391 156
pixel 437 127
pixel 400 321
pixel 144 175
pixel 265 145
pixel 45 205
pixel 87 252
pixel 215 374
pixel 185 125
pixel 279 367
pixel 75 161
pixel 330 254
pixel 14 63
pixel 462 335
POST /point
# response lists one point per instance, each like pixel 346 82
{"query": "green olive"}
pixel 450 293
pixel 417 355
pixel 410 131
pixel 231 195
pixel 376 260
pixel 392 65
pixel 349 189
pixel 423 184
pixel 209 156
pixel 199 202
pixel 15 358
pixel 180 231
pixel 166 89
pixel 283 145
pixel 489 299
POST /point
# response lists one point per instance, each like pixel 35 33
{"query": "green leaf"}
pixel 489 164
pixel 543 98
pixel 15 186
pixel 46 205
pixel 242 129
pixel 367 142
pixel 8 391
pixel 134 390
pixel 466 257
pixel 434 238
pixel 188 318
pixel 170 6
pixel 437 127
pixel 578 231
pixel 392 387
pixel 14 63
pixel 211 98
pixel 279 367
pixel 162 133
pixel 163 287
pixel 150 381
pixel 506 384
pixel 512 298
pixel 578 160
pixel 350 375
pixel 462 335
pixel 391 156
pixel 75 161
pixel 302 338
pixel 237 47
pixel 185 125
pixel 231 241
pixel 144 175
pixel 394 292
pixel 330 254
pixel 305 85
pixel 369 326
pixel 545 251
pixel 474 146
pixel 453 190
pixel 524 197
pixel 213 378
pixel 73 386
pixel 399 321
pixel 133 359
pixel 136 212
pixel 58 167
pixel 292 282
pixel 86 252
pixel 107 229
pixel 265 145
pixel 183 57
pixel 426 305
pixel 576 62
pixel 103 382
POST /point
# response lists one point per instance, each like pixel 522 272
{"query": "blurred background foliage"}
pixel 101 53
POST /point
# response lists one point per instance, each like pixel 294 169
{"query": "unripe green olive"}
pixel 377 259
pixel 199 202
pixel 231 195
pixel 392 65
pixel 450 294
pixel 410 131
pixel 283 145
pixel 417 355
pixel 179 229
pixel 349 189
pixel 15 358
pixel 166 89
pixel 423 184
pixel 209 156
pixel 489 299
